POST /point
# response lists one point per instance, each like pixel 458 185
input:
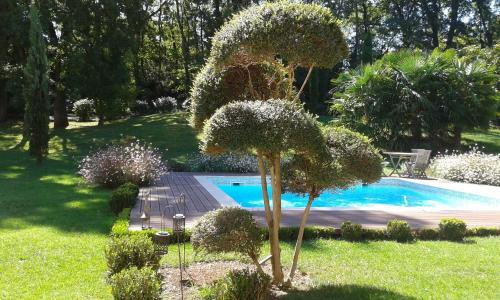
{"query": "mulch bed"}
pixel 203 274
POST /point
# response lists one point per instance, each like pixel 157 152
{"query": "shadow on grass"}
pixel 360 292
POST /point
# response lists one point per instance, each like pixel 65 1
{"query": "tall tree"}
pixel 36 92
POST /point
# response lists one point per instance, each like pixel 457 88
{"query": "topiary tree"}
pixel 35 90
pixel 229 229
pixel 350 159
pixel 269 129
pixel 266 43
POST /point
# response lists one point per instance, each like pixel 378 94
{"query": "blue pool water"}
pixel 246 191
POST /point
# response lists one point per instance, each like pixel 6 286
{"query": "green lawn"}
pixel 390 270
pixel 489 139
pixel 52 226
pixel 53 229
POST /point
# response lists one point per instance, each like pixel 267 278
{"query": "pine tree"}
pixel 35 90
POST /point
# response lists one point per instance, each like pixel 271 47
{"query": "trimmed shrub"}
pixel 229 229
pixel 133 250
pixel 399 230
pixel 123 197
pixel 373 234
pixel 243 284
pixel 483 231
pixel 351 231
pixel 427 234
pixel 140 107
pixel 165 104
pixel 135 162
pixel 472 167
pixel 135 284
pixel 452 229
pixel 83 108
pixel 226 162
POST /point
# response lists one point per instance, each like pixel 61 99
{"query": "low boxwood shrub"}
pixel 427 234
pixel 135 162
pixel 83 109
pixel 399 230
pixel 140 107
pixel 351 231
pixel 135 284
pixel 229 229
pixel 165 104
pixel 131 250
pixel 123 197
pixel 226 162
pixel 373 234
pixel 243 284
pixel 483 231
pixel 452 229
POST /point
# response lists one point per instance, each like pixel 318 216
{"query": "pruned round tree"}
pixel 351 159
pixel 300 34
pixel 269 129
pixel 213 88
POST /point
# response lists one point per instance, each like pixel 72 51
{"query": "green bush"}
pixel 135 284
pixel 351 231
pixel 483 231
pixel 123 197
pixel 452 229
pixel 83 108
pixel 427 234
pixel 229 229
pixel 133 250
pixel 240 285
pixel 373 234
pixel 399 230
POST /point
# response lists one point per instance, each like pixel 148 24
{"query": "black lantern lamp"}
pixel 160 239
pixel 179 224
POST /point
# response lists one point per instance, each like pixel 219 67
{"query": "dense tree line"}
pixel 115 52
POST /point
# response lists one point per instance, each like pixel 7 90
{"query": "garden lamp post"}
pixel 178 227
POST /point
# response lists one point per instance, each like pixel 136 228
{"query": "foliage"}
pixel 351 231
pixel 472 167
pixel 483 231
pixel 300 34
pixel 399 230
pixel 240 285
pixel 408 95
pixel 135 162
pixel 271 126
pixel 214 88
pixel 136 284
pixel 226 162
pixel 165 104
pixel 140 107
pixel 452 229
pixel 427 234
pixel 123 197
pixel 83 108
pixel 35 90
pixel 133 250
pixel 229 229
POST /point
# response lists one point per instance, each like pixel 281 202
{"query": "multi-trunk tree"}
pixel 262 40
pixel 35 90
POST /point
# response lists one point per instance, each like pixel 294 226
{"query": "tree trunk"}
pixel 185 46
pixel 275 245
pixel 431 11
pixel 453 22
pixel 485 20
pixel 305 81
pixel 457 137
pixel 3 101
pixel 298 245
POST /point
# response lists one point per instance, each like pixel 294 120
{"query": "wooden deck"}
pixel 165 193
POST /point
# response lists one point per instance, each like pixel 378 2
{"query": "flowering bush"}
pixel 83 108
pixel 136 162
pixel 165 104
pixel 472 167
pixel 227 162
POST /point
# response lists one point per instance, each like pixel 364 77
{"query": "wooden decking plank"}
pixel 198 189
pixel 178 188
pixel 194 196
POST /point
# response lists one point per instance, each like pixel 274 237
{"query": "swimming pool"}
pixel 245 191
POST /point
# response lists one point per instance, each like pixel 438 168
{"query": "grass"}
pixel 489 139
pixel 391 270
pixel 53 228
